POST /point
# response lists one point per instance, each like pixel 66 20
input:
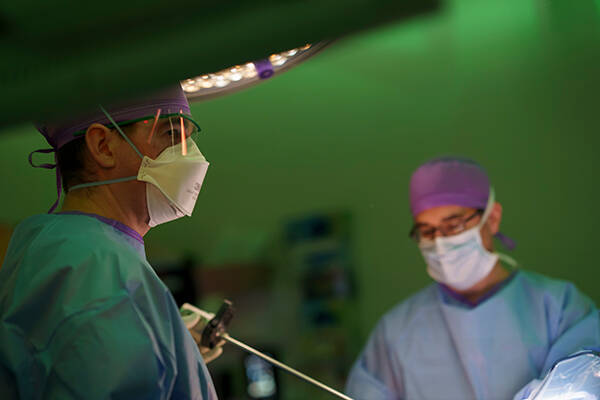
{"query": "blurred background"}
pixel 303 219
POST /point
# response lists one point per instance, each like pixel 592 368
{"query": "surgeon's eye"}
pixel 173 134
pixel 452 227
pixel 427 233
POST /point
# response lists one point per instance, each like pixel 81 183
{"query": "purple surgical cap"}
pixel 61 131
pixel 448 181
pixel 453 181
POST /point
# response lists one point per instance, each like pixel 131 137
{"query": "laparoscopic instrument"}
pixel 215 332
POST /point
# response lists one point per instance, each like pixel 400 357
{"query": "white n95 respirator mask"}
pixel 173 182
pixel 460 261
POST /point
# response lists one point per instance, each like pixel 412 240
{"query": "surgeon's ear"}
pixel 494 218
pixel 101 143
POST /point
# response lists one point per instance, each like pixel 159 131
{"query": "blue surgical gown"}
pixel 433 346
pixel 84 316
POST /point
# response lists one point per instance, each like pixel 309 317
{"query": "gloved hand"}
pixel 195 320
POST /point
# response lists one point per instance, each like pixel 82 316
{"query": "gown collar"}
pixel 450 297
pixel 132 236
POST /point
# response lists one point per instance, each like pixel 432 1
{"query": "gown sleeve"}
pixel 87 318
pixel 107 351
pixel 578 327
pixel 374 376
pixel 110 351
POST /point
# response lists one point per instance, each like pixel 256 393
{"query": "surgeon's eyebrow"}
pixel 452 216
pixel 162 124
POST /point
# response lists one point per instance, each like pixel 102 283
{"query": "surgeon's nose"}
pixel 437 233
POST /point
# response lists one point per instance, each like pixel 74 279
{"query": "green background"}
pixel 512 84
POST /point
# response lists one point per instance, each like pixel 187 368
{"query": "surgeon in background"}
pixel 484 330
pixel 82 313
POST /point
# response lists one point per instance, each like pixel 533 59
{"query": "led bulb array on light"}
pixel 238 76
pixel 219 79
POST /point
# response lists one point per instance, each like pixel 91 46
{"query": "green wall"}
pixel 512 84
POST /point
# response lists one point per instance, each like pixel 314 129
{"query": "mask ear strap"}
pixel 505 240
pixel 511 262
pixel 112 121
pixel 489 206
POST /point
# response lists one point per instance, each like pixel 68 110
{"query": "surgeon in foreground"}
pixel 484 330
pixel 83 315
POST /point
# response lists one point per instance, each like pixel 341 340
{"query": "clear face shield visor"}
pixel 167 129
pixel 172 128
pixel 163 129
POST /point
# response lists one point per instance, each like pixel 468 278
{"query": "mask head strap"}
pixel 488 207
pixel 90 184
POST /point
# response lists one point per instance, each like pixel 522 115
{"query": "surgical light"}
pixel 241 76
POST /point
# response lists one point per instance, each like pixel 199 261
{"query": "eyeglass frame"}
pixel 414 232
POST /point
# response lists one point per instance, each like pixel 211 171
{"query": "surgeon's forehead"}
pixel 437 215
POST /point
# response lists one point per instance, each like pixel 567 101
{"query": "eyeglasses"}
pixel 449 227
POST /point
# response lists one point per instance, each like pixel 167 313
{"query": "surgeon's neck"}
pixel 101 200
pixel 497 275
